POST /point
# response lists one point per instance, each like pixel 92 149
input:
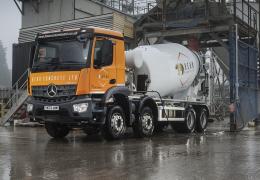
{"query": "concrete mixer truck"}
pixel 84 78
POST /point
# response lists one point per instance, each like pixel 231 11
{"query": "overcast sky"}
pixel 10 23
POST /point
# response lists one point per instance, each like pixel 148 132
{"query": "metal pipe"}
pixel 235 9
pixel 237 83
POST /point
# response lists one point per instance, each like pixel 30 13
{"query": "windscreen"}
pixel 61 54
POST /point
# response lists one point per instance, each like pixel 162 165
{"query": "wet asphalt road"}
pixel 29 153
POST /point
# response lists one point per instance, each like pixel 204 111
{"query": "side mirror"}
pixel 31 56
pixel 84 37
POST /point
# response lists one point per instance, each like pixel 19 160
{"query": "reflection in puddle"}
pixel 5 167
pixel 166 156
pixel 118 157
pixel 220 133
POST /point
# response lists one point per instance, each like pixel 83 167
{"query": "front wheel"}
pixel 115 125
pixel 144 125
pixel 56 130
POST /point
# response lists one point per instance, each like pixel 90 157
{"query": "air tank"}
pixel 171 68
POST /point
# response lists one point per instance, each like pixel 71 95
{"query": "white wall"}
pixel 50 11
pixel 88 8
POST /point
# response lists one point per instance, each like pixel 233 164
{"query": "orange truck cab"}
pixel 73 74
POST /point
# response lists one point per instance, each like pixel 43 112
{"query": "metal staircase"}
pixel 222 57
pixel 15 104
pixel 219 84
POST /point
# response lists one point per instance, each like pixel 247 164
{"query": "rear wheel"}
pixel 144 125
pixel 56 130
pixel 189 123
pixel 115 125
pixel 201 120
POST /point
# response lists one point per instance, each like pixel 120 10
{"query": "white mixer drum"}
pixel 171 67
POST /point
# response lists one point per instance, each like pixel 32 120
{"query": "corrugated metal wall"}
pixel 123 24
pixel 105 21
pixel 246 86
pixel 113 21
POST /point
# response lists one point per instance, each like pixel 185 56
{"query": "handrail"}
pixel 15 95
pixel 21 77
pixel 24 84
pixel 247 13
pixel 215 55
pixel 17 89
pixel 134 7
pixel 13 98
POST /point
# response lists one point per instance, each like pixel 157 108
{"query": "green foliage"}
pixel 5 79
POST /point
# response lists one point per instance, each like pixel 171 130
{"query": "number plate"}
pixel 51 108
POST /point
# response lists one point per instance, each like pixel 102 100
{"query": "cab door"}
pixel 103 71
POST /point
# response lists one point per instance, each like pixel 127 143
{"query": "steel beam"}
pixel 21 9
pixel 179 32
pixel 220 41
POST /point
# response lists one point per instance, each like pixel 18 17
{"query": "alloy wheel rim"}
pixel 117 123
pixel 147 122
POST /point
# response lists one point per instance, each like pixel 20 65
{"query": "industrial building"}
pixel 225 36
pixel 211 23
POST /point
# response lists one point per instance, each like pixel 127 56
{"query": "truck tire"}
pixel 144 125
pixel 201 120
pixel 56 130
pixel 115 125
pixel 188 126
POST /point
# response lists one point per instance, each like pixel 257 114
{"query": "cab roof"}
pixel 98 30
pixel 95 30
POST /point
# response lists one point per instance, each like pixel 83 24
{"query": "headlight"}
pixel 80 108
pixel 29 107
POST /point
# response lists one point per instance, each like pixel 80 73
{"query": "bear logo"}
pixel 180 69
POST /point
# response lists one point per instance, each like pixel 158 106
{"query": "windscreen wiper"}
pixel 45 65
pixel 72 62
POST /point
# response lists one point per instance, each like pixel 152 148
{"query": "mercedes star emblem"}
pixel 52 90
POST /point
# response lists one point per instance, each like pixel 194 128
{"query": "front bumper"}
pixel 95 113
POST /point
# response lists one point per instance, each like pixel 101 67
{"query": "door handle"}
pixel 112 81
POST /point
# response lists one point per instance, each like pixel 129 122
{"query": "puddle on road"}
pixel 82 156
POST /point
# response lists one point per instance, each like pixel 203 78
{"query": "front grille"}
pixel 55 100
pixel 62 91
pixel 54 115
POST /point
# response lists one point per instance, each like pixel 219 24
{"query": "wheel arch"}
pixel 116 90
pixel 148 101
pixel 120 97
pixel 197 108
